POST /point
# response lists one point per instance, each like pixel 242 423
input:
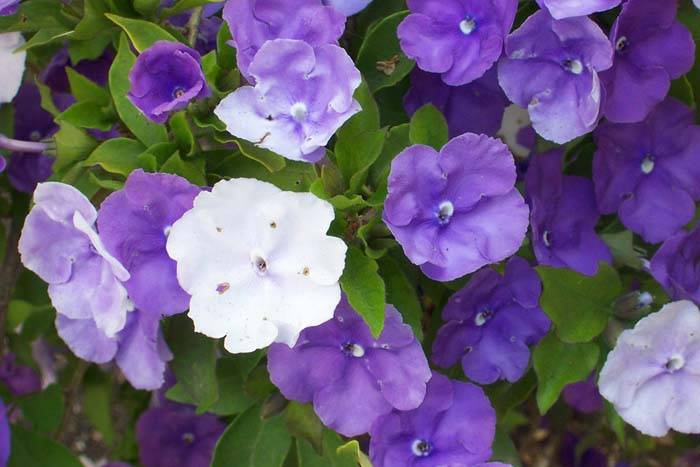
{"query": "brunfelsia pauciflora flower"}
pixel 278 214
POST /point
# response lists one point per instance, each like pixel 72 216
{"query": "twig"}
pixel 193 25
pixel 8 275
pixel 71 395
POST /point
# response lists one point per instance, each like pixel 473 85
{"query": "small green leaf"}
pixel 429 127
pixel 86 90
pixel 355 156
pixel 272 161
pixel 44 409
pixel 183 133
pixel 364 288
pixel 118 155
pixel 93 22
pixel 329 455
pixel 303 423
pixel 143 34
pixel 32 449
pixel 365 120
pixel 397 139
pixel 87 115
pixel 558 364
pixel 352 448
pixel 251 441
pixel 402 294
pixel 621 246
pixel 97 403
pixel 580 306
pixel 72 144
pixel 192 170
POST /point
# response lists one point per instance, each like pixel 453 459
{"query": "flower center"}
pixel 643 300
pixel 467 25
pixel 355 350
pixel 483 316
pixel 298 111
pixel 445 211
pixel 573 66
pixel 621 44
pixel 188 438
pixel 421 448
pixel 547 238
pixel 178 92
pixel 259 264
pixel 675 363
pixel 647 164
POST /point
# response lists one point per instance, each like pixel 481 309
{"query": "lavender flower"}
pixel 563 216
pixel 301 97
pixel 651 374
pixel 491 322
pixel 458 39
pixel 255 22
pixel 674 265
pixel 12 65
pixel 3 164
pixel 348 7
pixel 8 7
pixel 19 379
pixel 134 224
pixel 257 262
pixel 560 9
pixel 457 210
pixel 476 107
pixel 551 68
pixel 455 425
pixel 60 245
pixel 351 377
pixel 647 172
pixel 583 395
pixel 651 48
pixel 173 435
pixel 165 78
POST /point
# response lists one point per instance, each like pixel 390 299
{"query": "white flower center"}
pixel 355 350
pixel 675 363
pixel 621 44
pixel 483 316
pixel 647 165
pixel 188 438
pixel 421 448
pixel 547 238
pixel 467 25
pixel 299 111
pixel 445 211
pixel 574 66
pixel 259 264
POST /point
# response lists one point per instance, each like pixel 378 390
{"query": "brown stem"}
pixel 71 395
pixel 9 273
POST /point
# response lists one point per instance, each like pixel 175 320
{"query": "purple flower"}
pixel 8 7
pixel 351 377
pixel 348 7
pixel 3 164
pixel 60 245
pixel 491 322
pixel 454 426
pixel 651 376
pixel 560 9
pixel 460 39
pixel 647 172
pixel 139 349
pixel 551 68
pixel 563 216
pixel 165 78
pixel 476 107
pixel 584 395
pixel 254 22
pixel 651 48
pixel 173 435
pixel 4 436
pixel 19 379
pixel 32 123
pixel 134 224
pixel 301 97
pixel 571 454
pixel 457 210
pixel 675 265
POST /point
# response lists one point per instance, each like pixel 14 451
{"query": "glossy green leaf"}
pixel 85 90
pixel 364 288
pixel 32 449
pixel 192 170
pixel 329 456
pixel 118 155
pixel 401 293
pixel 429 127
pixel 88 115
pixel 142 34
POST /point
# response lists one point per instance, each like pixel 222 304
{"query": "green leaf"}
pixel 579 305
pixel 146 7
pixel 380 59
pixel 91 49
pixel 118 155
pixel 504 450
pixel 97 403
pixel 148 132
pixel 72 144
pixel 194 362
pixel 397 139
pixel 558 364
pixel 86 90
pixel 621 246
pixel 352 448
pixel 192 170
pixel 364 288
pixel 365 120
pixel 355 156
pixel 251 441
pixel 429 127
pixel 93 22
pixel 183 133
pixel 87 115
pixel 303 423
pixel 329 456
pixel 143 34
pixel 45 36
pixel 44 409
pixel 32 449
pixel 184 5
pixel 401 293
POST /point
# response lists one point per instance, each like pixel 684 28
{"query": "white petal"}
pixel 11 64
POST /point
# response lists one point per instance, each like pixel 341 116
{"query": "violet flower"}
pixel 551 68
pixel 648 173
pixel 165 78
pixel 8 7
pixel 651 48
pixel 560 9
pixel 457 38
pixel 583 395
pixel 19 379
pixel 476 107
pixel 12 65
pixel 348 7
pixel 651 374
pixel 455 425
pixel 134 224
pixel 490 323
pixel 675 265
pixel 563 216
pixel 457 210
pixel 255 22
pixel 351 377
pixel 302 96
pixel 4 435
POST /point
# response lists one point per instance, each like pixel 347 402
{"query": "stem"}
pixel 71 394
pixel 9 273
pixel 16 145
pixel 193 25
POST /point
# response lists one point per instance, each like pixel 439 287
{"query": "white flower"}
pixel 11 64
pixel 652 376
pixel 257 262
